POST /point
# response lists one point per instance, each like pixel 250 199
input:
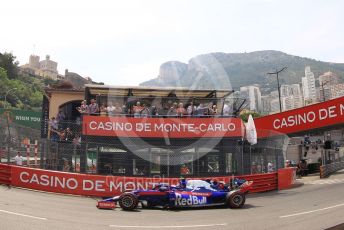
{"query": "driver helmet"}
pixel 182 183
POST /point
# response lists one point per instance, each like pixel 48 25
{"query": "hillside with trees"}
pixel 22 91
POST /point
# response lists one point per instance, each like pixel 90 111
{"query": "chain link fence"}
pixel 67 150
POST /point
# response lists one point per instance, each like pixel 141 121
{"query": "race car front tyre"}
pixel 236 200
pixel 128 202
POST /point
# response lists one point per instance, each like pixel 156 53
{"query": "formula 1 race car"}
pixel 189 193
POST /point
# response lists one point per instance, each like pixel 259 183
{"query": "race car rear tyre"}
pixel 236 200
pixel 128 202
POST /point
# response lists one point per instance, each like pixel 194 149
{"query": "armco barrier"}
pixel 262 182
pixel 286 177
pixel 5 174
pixel 326 170
pixel 97 185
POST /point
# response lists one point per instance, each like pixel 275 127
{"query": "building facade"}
pixel 308 87
pixel 253 95
pixel 45 68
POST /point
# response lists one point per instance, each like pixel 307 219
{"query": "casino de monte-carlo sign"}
pixel 160 127
pixel 315 116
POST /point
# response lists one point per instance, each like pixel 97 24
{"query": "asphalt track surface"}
pixel 313 205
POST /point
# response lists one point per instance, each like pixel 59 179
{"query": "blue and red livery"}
pixel 189 193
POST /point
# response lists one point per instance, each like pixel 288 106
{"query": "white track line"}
pixel 171 226
pixel 316 210
pixel 19 214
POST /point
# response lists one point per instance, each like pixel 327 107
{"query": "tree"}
pixel 244 116
pixel 7 62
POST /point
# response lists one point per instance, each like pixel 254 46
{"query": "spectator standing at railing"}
pixel 226 109
pixel 213 110
pixel 201 110
pixel 172 112
pixel 60 118
pixel 93 108
pixel 83 108
pixel 154 111
pixel 191 109
pixel 181 111
pixel 145 112
pixel 118 109
pixel 18 159
pixel 270 167
pixel 102 110
pixel 66 166
pixel 137 109
pixel 110 109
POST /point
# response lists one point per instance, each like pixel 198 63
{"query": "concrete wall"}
pixel 59 98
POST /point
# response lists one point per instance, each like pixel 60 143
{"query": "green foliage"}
pixel 7 62
pixel 27 91
pixel 244 116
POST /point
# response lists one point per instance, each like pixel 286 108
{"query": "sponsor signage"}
pixel 307 118
pixel 189 200
pixel 162 127
pixel 45 118
pixel 25 118
pixel 90 185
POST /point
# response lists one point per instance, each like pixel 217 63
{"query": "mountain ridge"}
pixel 221 70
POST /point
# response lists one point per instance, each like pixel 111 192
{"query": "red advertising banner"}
pixel 83 184
pixel 107 186
pixel 307 118
pixel 162 127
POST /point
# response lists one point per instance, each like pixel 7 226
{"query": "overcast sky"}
pixel 124 42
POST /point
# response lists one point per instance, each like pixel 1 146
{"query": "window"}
pixel 186 165
pixel 139 167
pixel 213 164
pixel 229 162
pixel 155 164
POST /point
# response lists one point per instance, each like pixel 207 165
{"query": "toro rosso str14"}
pixel 190 193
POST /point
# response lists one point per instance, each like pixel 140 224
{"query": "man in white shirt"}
pixel 19 159
pixel 226 110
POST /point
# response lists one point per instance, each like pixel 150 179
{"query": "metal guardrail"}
pixel 5 174
pixel 326 170
pixel 262 182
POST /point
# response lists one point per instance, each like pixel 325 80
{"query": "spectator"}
pixel 213 110
pixel 110 109
pixel 77 140
pixel 18 159
pixel 154 111
pixel 302 168
pixel 226 109
pixel 83 108
pixel 137 109
pixel 66 166
pixel 68 136
pixel 184 170
pixel 126 110
pixel 181 111
pixel 54 134
pixel 93 108
pixel 172 112
pixel 118 109
pixel 60 118
pixel 270 167
pixel 102 109
pixel 201 110
pixel 307 140
pixel 145 111
pixel 191 109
